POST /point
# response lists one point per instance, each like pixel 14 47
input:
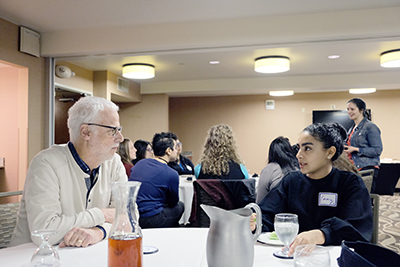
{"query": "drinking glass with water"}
pixel 286 228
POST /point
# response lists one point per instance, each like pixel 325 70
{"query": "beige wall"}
pixel 143 120
pixel 35 132
pixel 255 127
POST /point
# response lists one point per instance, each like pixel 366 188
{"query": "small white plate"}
pixel 264 239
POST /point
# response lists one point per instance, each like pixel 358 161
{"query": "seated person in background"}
pixel 344 164
pixel 281 161
pixel 220 159
pixel 182 164
pixel 128 153
pixel 331 205
pixel 143 151
pixel 67 187
pixel 158 196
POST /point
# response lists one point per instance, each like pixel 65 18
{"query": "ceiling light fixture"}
pixel 214 62
pixel 391 59
pixel 272 64
pixel 138 71
pixel 362 90
pixel 281 93
pixel 334 56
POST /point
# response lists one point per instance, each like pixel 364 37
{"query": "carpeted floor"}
pixel 389 222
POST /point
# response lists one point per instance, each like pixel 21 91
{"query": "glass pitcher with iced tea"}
pixel 125 240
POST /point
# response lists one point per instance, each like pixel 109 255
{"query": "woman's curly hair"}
pixel 219 149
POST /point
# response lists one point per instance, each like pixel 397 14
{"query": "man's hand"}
pixel 82 237
pixel 313 237
pixel 109 214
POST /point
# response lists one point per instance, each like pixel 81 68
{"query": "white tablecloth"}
pixel 186 196
pixel 178 247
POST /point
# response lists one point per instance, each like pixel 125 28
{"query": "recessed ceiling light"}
pixel 214 62
pixel 334 56
pixel 362 90
pixel 281 93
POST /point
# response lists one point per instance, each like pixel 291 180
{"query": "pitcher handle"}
pixel 259 219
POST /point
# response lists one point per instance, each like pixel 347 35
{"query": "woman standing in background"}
pixel 363 145
pixel 281 160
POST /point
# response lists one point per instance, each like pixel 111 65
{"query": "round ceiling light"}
pixel 390 59
pixel 272 64
pixel 138 71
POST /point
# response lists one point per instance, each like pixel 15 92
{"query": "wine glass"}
pixel 45 254
pixel 311 255
pixel 286 228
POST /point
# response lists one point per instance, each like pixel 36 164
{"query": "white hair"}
pixel 86 110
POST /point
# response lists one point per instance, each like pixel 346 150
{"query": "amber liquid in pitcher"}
pixel 125 253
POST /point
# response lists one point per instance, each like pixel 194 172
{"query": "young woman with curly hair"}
pixel 220 159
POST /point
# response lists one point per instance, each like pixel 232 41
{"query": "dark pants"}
pixel 376 171
pixel 168 217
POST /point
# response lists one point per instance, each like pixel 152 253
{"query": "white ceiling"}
pixel 180 37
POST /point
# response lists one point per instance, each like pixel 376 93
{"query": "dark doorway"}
pixel 63 101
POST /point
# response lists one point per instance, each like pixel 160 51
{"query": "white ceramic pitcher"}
pixel 230 242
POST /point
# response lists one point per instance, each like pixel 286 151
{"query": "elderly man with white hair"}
pixel 67 187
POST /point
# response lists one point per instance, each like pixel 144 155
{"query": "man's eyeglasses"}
pixel 114 129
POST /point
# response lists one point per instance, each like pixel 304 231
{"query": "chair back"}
pixel 367 176
pixel 375 215
pixel 226 194
pixel 388 176
pixel 366 255
pixel 8 219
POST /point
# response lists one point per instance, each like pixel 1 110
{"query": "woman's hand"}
pixel 350 149
pixel 313 237
pixel 253 222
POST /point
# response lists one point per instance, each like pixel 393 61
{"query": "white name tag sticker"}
pixel 327 199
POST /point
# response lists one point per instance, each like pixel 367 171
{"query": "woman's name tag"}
pixel 327 199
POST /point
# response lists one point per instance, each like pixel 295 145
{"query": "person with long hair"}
pixel 144 150
pixel 220 159
pixel 281 161
pixel 344 164
pixel 332 205
pixel 127 152
pixel 364 143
